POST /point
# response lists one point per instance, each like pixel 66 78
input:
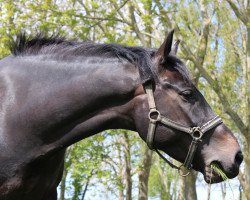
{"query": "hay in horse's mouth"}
pixel 217 167
pixel 214 173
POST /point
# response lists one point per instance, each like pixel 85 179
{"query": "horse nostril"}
pixel 239 158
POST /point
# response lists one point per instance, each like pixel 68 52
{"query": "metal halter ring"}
pixel 182 167
pixel 196 133
pixel 152 118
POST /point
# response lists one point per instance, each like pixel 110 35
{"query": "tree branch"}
pixel 239 13
pixel 99 18
pixel 125 20
pixel 134 24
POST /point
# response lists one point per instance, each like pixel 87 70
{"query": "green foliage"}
pixel 100 159
pixel 83 163
pixel 163 180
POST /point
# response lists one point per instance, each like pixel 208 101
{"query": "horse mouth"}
pixel 214 173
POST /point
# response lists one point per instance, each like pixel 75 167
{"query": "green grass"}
pixel 219 171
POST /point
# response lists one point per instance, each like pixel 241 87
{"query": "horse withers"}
pixel 56 92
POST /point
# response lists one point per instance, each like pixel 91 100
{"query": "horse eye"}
pixel 187 94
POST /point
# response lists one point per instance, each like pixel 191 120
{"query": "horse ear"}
pixel 166 46
pixel 175 48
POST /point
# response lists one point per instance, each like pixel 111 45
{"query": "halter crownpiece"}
pixel 196 133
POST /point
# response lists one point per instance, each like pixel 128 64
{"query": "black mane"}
pixel 39 44
pixel 56 45
pixel 24 45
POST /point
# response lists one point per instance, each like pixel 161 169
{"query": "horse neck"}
pixel 84 98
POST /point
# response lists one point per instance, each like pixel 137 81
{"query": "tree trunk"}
pixel 190 187
pixel 144 174
pixel 120 184
pixel 87 184
pixel 63 185
pixel 243 14
pixel 164 182
pixel 128 178
pixel 248 72
pixel 85 189
pixel 246 178
pixel 208 191
pixel 181 195
pixel 67 163
pixel 223 190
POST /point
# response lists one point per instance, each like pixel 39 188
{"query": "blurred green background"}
pixel 215 45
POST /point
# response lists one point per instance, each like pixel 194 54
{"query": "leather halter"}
pixel 196 133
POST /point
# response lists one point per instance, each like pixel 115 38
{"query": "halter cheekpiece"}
pixel 196 133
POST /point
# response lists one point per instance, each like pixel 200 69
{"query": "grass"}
pixel 219 171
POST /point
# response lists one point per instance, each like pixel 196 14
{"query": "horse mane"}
pixel 24 45
pixel 57 45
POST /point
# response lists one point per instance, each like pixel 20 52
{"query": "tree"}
pixel 215 45
pixel 242 12
pixel 143 173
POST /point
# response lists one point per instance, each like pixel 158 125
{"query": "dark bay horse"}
pixel 56 92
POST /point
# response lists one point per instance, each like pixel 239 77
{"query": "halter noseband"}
pixel 196 133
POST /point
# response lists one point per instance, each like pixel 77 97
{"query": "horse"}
pixel 55 92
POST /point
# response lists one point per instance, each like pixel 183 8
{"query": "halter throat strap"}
pixel 196 133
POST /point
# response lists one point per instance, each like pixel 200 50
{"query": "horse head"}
pixel 181 123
